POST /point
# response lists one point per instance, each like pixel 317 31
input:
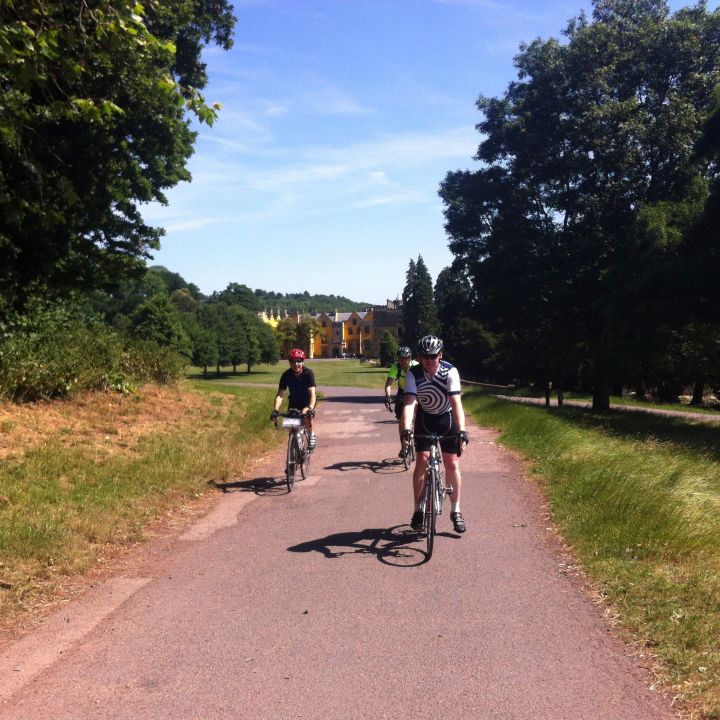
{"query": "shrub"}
pixel 55 351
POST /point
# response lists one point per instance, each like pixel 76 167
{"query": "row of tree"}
pixel 586 244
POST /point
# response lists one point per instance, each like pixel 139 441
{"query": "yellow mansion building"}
pixel 349 333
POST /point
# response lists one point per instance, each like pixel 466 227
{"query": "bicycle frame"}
pixel 435 489
pixel 298 452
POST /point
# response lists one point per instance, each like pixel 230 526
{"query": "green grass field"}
pixel 637 497
pixel 330 373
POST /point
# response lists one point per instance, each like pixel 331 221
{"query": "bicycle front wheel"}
pixel 304 455
pixel 292 458
pixel 430 510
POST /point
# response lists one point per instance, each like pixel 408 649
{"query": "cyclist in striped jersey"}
pixel 434 386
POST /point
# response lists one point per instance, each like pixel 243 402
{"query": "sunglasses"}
pixel 430 357
pixel 296 362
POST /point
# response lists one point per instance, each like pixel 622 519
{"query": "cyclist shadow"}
pixel 389 466
pixel 259 486
pixel 390 546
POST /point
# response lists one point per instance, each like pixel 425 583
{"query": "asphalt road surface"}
pixel 318 604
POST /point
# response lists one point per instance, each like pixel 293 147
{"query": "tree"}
pixel 592 136
pixel 467 344
pixel 236 294
pixel 158 320
pixel 286 332
pixel 92 124
pixel 307 330
pixel 388 349
pixel 419 311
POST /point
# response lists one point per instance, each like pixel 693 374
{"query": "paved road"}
pixel 317 604
pixel 618 407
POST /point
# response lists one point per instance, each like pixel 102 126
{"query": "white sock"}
pixel 455 507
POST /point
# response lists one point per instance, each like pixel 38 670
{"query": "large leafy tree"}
pixel 419 311
pixel 593 134
pixel 93 123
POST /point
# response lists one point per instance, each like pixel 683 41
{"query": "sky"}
pixel 339 121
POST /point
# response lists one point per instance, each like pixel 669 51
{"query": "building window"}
pixel 349 331
pixel 367 329
pixel 354 321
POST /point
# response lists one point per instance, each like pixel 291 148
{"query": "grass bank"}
pixel 110 467
pixel 638 499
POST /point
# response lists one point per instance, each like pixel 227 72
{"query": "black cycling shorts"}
pixel 426 423
pixel 399 403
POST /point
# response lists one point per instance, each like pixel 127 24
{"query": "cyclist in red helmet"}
pixel 301 383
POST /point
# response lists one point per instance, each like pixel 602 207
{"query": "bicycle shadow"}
pixel 259 486
pixel 390 546
pixel 388 466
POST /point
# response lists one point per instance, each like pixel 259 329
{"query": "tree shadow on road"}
pixel 259 486
pixel 362 399
pixel 391 546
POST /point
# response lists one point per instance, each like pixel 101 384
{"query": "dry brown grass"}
pixel 110 422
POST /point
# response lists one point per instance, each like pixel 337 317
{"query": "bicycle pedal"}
pixel 449 490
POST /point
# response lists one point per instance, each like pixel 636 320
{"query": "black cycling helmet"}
pixel 430 345
pixel 404 351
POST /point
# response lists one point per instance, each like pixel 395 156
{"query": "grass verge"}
pixel 66 502
pixel 638 499
pixel 331 373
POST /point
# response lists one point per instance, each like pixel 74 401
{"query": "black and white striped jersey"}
pixel 433 393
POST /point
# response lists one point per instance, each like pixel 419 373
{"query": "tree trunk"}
pixel 561 395
pixel 601 397
pixel 698 391
pixel 548 390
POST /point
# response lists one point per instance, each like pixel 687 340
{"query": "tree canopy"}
pixel 575 229
pixel 93 123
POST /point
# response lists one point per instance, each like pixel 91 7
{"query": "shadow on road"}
pixel 259 486
pixel 391 546
pixel 364 399
pixel 388 466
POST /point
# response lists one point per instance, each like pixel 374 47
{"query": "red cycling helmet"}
pixel 296 354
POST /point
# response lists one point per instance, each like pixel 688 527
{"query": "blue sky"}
pixel 339 120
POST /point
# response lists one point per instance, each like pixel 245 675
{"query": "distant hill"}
pixel 237 294
pixel 304 302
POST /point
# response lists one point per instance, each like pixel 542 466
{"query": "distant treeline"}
pixel 300 302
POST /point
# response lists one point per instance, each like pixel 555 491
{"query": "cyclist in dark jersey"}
pixel 300 381
pixel 434 387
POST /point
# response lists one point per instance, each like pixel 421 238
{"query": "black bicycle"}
pixel 298 447
pixel 435 489
pixel 408 453
pixel 408 456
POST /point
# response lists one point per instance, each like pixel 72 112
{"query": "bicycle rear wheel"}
pixel 430 510
pixel 304 456
pixel 292 458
